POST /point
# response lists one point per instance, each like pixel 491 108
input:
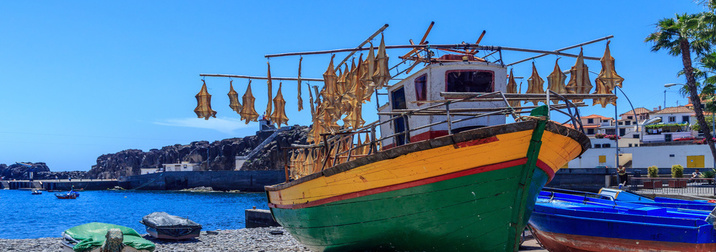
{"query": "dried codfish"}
pixel 329 93
pixel 535 84
pixel 579 78
pixel 234 98
pixel 382 74
pixel 248 112
pixel 270 90
pixel 203 103
pixel 512 89
pixel 279 114
pixel 300 100
pixel 556 80
pixel 607 79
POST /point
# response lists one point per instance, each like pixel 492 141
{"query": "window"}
pixel 685 119
pixel 627 122
pixel 630 117
pixel 590 120
pixel 606 145
pixel 421 88
pixel 622 132
pixel 629 145
pixel 620 123
pixel 635 136
pixel 469 81
pixel 672 118
pixel 590 131
pixel 398 102
pixel 597 146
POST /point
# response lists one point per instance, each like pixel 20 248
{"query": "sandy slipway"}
pixel 249 239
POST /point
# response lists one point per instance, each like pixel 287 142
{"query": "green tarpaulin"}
pixel 92 235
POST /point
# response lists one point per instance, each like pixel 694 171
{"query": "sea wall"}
pixel 250 181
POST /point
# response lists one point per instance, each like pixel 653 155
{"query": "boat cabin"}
pixel 421 89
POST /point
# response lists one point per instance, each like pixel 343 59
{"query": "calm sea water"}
pixel 33 216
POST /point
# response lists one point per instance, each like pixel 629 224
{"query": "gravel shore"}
pixel 248 239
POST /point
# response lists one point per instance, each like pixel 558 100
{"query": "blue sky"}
pixel 80 79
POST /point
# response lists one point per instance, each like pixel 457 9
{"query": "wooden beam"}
pixel 463 95
pixel 362 44
pixel 562 49
pixel 258 77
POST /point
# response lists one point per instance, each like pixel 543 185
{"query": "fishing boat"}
pixel 442 169
pixel 162 225
pixel 69 195
pixel 579 221
pixel 36 192
pixel 93 236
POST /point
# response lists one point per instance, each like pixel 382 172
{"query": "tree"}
pixel 684 35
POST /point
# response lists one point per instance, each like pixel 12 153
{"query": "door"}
pixel 400 124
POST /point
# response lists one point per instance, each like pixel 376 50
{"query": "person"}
pixel 696 174
pixel 622 174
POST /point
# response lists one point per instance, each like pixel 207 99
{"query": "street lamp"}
pixel 666 86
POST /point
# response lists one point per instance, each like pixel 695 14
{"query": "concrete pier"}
pixel 60 184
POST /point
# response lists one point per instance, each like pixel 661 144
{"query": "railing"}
pixel 342 146
pixel 674 186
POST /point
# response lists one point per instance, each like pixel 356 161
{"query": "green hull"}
pixel 475 212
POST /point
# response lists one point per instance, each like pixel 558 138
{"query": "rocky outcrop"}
pixel 40 169
pixel 215 156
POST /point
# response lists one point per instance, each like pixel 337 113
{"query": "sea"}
pixel 27 216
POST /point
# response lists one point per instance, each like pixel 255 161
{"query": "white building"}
pixel 183 166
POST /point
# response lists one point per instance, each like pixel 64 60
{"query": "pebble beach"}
pixel 247 239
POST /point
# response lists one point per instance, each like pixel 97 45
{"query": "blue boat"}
pixel 616 220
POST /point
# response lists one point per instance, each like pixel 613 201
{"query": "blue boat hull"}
pixel 571 223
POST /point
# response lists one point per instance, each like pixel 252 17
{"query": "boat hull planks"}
pixel 472 191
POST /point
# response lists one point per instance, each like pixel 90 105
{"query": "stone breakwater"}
pixel 248 239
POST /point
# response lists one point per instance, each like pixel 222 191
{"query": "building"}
pixel 593 124
pixel 183 166
pixel 675 125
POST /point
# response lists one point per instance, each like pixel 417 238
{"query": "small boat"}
pixel 91 236
pixel 69 195
pixel 569 221
pixel 36 192
pixel 162 225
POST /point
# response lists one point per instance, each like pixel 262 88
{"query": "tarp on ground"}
pixel 92 235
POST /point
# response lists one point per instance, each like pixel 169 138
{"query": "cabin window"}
pixel 399 124
pixel 469 81
pixel 421 88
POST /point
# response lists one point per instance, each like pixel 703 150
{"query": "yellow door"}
pixel 695 161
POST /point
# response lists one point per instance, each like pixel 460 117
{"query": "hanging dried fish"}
pixel 382 74
pixel 270 91
pixel 579 78
pixel 556 80
pixel 248 112
pixel 329 93
pixel 535 84
pixel 203 103
pixel 607 79
pixel 234 98
pixel 512 89
pixel 279 114
pixel 300 100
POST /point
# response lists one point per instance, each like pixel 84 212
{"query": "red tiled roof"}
pixel 596 116
pixel 675 110
pixel 638 111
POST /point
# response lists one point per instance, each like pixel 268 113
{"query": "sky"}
pixel 79 79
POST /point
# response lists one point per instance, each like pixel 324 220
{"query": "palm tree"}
pixel 684 35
